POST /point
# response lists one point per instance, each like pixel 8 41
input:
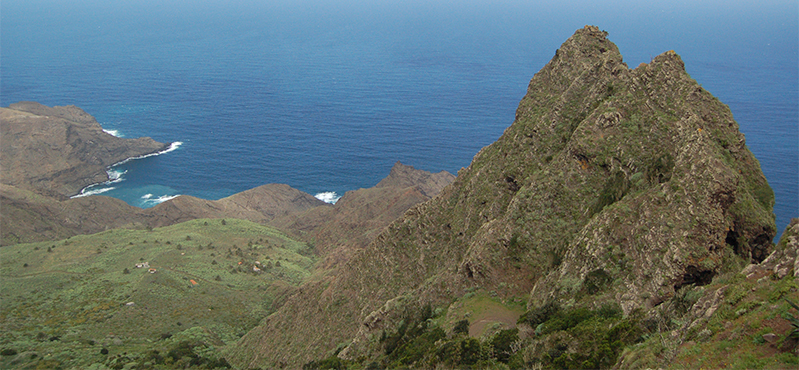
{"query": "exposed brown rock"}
pixel 429 184
pixel 60 150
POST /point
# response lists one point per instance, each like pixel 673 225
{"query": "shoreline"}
pixel 113 179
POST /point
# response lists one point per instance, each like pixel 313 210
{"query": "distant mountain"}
pixel 614 194
pixel 360 215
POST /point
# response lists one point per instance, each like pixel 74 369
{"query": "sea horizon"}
pixel 326 96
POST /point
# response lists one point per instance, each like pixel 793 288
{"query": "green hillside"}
pixel 83 300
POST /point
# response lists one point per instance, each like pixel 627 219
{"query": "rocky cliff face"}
pixel 613 185
pixel 60 150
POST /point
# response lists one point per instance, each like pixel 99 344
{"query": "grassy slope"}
pixel 65 301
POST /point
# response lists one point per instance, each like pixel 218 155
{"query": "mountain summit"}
pixel 614 187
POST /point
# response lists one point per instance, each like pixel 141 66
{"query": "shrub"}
pixel 417 348
pixel 596 280
pixel 471 351
pixel 538 316
pixel 502 342
pixel 659 169
pixel 461 327
pixel 793 320
pixel 331 362
pixel 616 186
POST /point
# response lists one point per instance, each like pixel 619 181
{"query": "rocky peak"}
pixel 612 185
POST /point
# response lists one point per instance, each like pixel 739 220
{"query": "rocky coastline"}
pixel 59 151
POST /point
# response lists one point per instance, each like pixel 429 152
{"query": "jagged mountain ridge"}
pixel 639 176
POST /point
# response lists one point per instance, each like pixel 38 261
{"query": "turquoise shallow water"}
pixel 325 96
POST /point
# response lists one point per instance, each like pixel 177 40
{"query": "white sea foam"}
pixel 115 176
pixel 149 198
pixel 85 192
pixel 112 132
pixel 328 197
pixel 172 147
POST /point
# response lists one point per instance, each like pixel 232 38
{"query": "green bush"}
pixel 538 316
pixel 596 280
pixel 501 344
pixel 599 336
pixel 461 327
pixel 460 352
pixel 659 169
pixel 332 362
pixel 793 320
pixel 416 349
pixel 615 188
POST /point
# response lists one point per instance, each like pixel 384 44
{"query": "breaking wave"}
pixel 172 147
pixel 112 132
pixel 149 198
pixel 115 176
pixel 85 192
pixel 328 197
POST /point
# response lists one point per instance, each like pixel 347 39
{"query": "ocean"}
pixel 326 96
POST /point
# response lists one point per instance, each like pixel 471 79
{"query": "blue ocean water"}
pixel 326 95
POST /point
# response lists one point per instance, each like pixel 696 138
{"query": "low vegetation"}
pixel 169 297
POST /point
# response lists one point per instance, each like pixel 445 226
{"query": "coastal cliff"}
pixel 58 151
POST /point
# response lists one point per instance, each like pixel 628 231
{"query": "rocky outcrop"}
pixel 784 261
pixel 60 150
pixel 429 184
pixel 360 215
pixel 738 306
pixel 612 185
